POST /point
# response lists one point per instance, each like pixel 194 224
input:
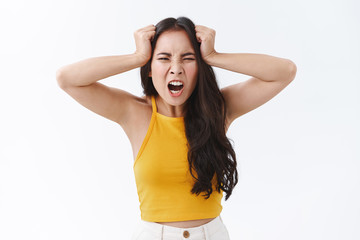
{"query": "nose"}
pixel 176 68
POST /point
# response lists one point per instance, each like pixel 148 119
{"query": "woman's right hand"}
pixel 143 37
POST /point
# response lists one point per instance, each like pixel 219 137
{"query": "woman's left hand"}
pixel 206 36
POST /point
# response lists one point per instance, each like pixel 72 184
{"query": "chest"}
pixel 163 153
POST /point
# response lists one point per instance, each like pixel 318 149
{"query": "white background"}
pixel 66 173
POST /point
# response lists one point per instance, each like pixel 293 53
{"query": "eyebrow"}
pixel 182 55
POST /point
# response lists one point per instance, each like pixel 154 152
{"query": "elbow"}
pixel 292 69
pixel 60 78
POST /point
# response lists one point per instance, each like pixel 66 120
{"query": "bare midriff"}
pixel 187 224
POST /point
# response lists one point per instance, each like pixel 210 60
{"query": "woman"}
pixel 178 128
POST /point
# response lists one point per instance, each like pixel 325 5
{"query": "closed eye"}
pixel 168 58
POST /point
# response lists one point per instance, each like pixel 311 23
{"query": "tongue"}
pixel 175 88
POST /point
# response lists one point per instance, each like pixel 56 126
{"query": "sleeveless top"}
pixel 162 175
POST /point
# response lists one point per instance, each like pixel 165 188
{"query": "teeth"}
pixel 176 83
pixel 175 91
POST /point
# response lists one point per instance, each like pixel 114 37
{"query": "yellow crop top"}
pixel 162 175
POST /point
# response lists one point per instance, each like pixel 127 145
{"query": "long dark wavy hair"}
pixel 210 153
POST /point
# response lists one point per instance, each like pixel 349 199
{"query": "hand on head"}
pixel 143 38
pixel 206 36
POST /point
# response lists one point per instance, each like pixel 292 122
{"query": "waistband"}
pixel 206 229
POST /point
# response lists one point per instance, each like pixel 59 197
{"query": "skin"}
pixel 278 75
pixel 269 75
pixel 166 67
pixel 169 63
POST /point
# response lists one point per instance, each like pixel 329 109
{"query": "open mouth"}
pixel 175 86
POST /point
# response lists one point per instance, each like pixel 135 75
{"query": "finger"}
pixel 147 31
pixel 149 27
pixel 198 36
pixel 152 34
pixel 204 30
pixel 198 29
pixel 201 28
pixel 149 34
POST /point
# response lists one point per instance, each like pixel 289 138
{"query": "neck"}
pixel 167 109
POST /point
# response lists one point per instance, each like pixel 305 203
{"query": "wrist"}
pixel 210 57
pixel 141 58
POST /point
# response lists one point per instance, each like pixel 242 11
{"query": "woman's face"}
pixel 174 59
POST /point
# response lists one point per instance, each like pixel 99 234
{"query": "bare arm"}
pixel 269 74
pixel 90 70
pixel 79 80
pixel 262 66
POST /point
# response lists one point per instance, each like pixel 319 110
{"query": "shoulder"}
pixel 138 118
pixel 141 105
pixel 140 110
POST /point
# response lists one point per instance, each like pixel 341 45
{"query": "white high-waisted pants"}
pixel 213 230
